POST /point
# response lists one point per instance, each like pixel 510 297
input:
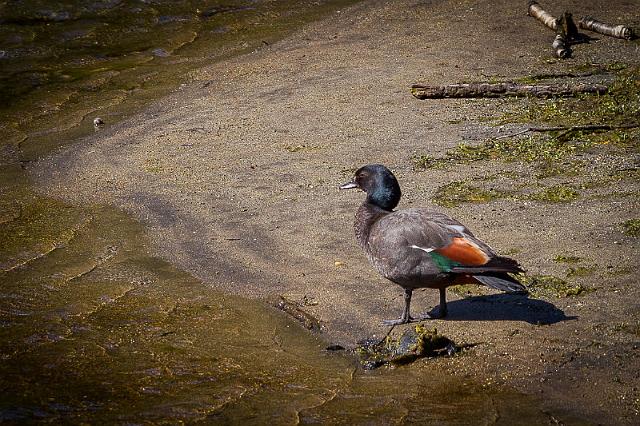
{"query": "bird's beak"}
pixel 349 185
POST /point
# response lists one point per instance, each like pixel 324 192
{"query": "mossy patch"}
pixel 36 226
pixel 548 154
pixel 511 252
pixel 555 153
pixel 153 166
pixel 423 162
pixel 631 328
pixel 467 290
pixel 620 271
pixel 549 285
pixel 458 192
pixel 556 194
pixel 631 227
pixel 567 258
pixel 580 271
pixel 531 149
pixel 620 105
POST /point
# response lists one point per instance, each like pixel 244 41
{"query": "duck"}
pixel 422 247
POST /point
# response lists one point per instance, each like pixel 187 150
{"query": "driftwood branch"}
pixel 567 31
pixel 560 46
pixel 495 90
pixel 568 28
pixel 567 129
pixel 566 35
pixel 565 28
pixel 561 25
pixel 536 11
pixel 618 31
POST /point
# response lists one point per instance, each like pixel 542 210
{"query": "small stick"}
pixel 561 75
pixel 584 127
pixel 570 129
pixel 618 31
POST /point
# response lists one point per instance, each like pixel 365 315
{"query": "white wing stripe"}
pixel 428 250
pixel 458 228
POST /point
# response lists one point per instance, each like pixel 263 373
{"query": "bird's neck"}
pixel 385 196
pixel 366 215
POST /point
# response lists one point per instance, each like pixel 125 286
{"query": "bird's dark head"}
pixel 379 183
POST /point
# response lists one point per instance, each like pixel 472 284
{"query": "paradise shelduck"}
pixel 421 247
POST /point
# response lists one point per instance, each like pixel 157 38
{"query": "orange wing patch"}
pixel 465 252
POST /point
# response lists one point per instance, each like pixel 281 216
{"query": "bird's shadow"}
pixel 509 307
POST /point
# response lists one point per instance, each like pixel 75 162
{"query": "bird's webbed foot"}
pixel 406 317
pixel 439 311
pixel 435 313
pixel 399 321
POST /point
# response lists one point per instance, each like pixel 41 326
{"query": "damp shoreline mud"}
pixel 234 177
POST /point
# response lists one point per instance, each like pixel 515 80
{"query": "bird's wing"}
pixel 432 236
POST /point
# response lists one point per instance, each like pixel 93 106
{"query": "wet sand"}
pixel 235 178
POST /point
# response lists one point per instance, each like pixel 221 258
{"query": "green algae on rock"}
pixel 415 342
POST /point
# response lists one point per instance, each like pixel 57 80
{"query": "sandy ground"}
pixel 236 176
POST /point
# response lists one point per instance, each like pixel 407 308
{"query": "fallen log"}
pixel 496 90
pixel 618 31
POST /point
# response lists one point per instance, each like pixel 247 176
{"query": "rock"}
pixel 414 343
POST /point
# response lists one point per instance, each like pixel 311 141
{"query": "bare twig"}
pixel 565 28
pixel 536 11
pixel 568 129
pixel 560 46
pixel 618 31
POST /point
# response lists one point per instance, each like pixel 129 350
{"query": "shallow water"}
pixel 63 63
pixel 96 329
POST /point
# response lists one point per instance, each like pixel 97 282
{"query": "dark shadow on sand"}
pixel 505 307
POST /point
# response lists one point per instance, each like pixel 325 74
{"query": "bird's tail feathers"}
pixel 498 264
pixel 505 263
pixel 501 282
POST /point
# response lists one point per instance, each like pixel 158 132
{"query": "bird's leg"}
pixel 443 302
pixel 405 318
pixel 442 309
